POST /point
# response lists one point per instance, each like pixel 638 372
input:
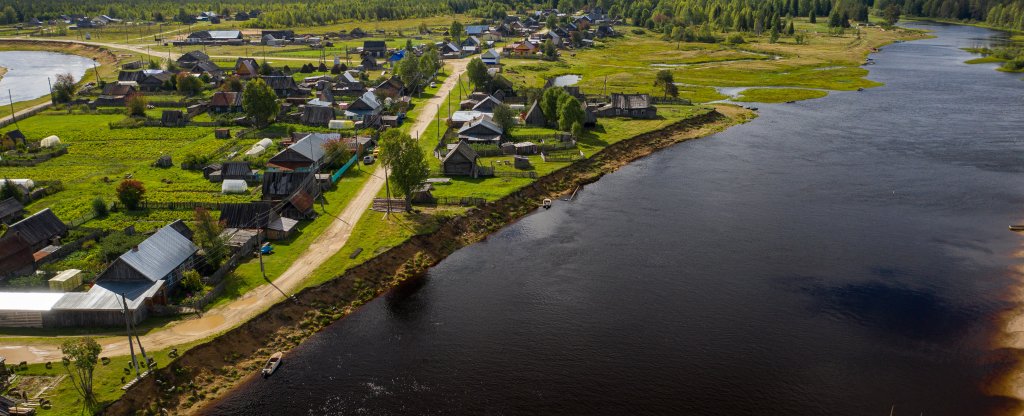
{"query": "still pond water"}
pixel 27 72
pixel 838 256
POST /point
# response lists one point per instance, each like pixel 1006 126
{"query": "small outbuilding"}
pixel 461 161
pixel 66 281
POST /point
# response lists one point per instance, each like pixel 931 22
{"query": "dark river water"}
pixel 839 256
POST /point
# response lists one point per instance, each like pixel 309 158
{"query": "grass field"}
pixel 778 95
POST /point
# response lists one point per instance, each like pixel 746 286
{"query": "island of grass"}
pixel 1011 58
pixel 778 95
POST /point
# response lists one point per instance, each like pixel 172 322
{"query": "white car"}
pixel 433 85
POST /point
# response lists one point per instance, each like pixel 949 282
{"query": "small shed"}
pixel 461 161
pixel 49 141
pixel 422 195
pixel 234 186
pixel 222 133
pixel 11 210
pixel 525 148
pixel 66 281
pixel 172 118
pixel 521 162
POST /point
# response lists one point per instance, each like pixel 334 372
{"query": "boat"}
pixel 272 364
pixel 1017 228
pixel 547 203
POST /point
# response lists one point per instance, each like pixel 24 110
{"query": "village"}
pixel 335 116
pixel 202 166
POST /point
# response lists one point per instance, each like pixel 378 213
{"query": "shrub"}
pixel 136 105
pixel 736 39
pixel 191 281
pixel 99 207
pixel 131 192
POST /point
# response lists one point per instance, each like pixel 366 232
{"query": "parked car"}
pixel 433 85
pixel 368 160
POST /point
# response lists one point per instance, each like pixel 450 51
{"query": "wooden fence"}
pixel 37 159
pixel 66 249
pixel 668 100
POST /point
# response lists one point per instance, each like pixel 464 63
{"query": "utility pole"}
pixel 15 119
pixel 128 328
pixel 97 72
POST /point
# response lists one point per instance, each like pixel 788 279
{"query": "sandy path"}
pixel 228 316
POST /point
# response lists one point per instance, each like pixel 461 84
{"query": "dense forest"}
pixel 721 15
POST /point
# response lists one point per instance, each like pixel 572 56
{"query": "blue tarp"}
pixel 397 56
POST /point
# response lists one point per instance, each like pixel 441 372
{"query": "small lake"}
pixel 27 72
pixel 565 80
pixel 838 256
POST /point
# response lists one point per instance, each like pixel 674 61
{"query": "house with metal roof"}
pixel 165 255
pixel 628 105
pixel 189 59
pixel 375 48
pixel 366 105
pixel 258 215
pixel 481 130
pixel 491 57
pixel 304 153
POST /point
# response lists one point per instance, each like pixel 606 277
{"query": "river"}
pixel 27 72
pixel 843 256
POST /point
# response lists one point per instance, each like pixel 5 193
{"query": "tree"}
pixel 187 84
pixel 232 84
pixel 549 49
pixel 408 70
pixel 259 102
pixel 131 192
pixel 455 31
pixel 476 71
pixel 549 103
pixel 891 14
pixel 136 105
pixel 505 117
pixel 192 281
pixel 666 81
pixel 570 111
pixel 80 358
pixel 790 30
pixel 576 129
pixel 8 15
pixel 99 207
pixel 64 88
pixel 266 69
pixel 207 236
pixel 336 153
pixel 407 166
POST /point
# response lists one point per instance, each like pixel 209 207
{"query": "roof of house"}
pixel 490 54
pixel 317 114
pixel 237 168
pixel 280 82
pixel 249 64
pixel 630 101
pixel 369 99
pixel 476 29
pixel 226 99
pixel 10 206
pixel 374 44
pixel 487 103
pixel 117 89
pixel 105 295
pixel 277 183
pixel 225 34
pixel 28 301
pixel 38 227
pixel 535 115
pixel 15 134
pixel 207 66
pixel 347 77
pixel 158 255
pixel 484 123
pixel 251 215
pixel 194 56
pixel 462 149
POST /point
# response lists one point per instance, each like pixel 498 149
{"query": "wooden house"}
pixel 303 154
pixel 534 116
pixel 165 255
pixel 172 118
pixel 11 210
pixel 258 215
pixel 314 115
pixel 491 57
pixel 247 68
pixel 375 49
pixel 391 87
pixel 226 102
pixel 487 105
pixel 115 95
pixel 190 59
pixel 481 130
pixel 40 229
pixel 461 161
pixel 366 105
pixel 284 86
pixel 369 63
pixel 628 105
pixel 154 79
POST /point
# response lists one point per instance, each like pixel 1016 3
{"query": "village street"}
pixel 230 315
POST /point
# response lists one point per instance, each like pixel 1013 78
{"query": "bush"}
pixel 192 282
pixel 99 207
pixel 131 192
pixel 136 105
pixel 736 39
pixel 638 31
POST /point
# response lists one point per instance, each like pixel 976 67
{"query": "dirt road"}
pixel 225 317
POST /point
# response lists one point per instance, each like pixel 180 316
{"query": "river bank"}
pixel 235 356
pixel 107 62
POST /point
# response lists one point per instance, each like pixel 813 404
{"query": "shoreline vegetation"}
pixel 3 71
pixel 207 370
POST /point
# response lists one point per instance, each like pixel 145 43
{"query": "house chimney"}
pixel 135 249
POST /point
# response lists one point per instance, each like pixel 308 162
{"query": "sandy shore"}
pixel 2 72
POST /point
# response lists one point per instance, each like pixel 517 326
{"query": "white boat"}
pixel 546 203
pixel 1017 228
pixel 272 364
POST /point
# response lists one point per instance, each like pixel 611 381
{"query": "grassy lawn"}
pixel 778 95
pixel 106 381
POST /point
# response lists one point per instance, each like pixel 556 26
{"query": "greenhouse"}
pixel 234 186
pixel 50 141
